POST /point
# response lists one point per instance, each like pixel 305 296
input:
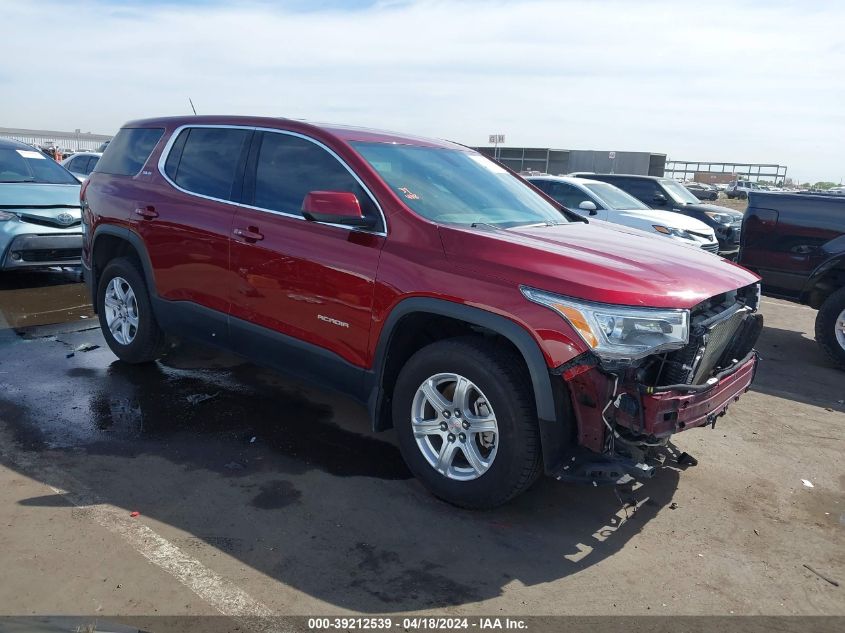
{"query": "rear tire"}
pixel 830 327
pixel 485 469
pixel 126 315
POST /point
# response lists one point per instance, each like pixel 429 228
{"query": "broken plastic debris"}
pixel 252 441
pixel 196 398
pixel 134 513
pixel 87 347
pixel 807 483
pixel 687 459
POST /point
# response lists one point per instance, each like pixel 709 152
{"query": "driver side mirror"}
pixel 334 207
pixel 660 200
pixel 588 205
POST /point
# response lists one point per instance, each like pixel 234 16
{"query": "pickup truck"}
pixel 796 243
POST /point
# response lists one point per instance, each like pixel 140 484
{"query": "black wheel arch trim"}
pixel 837 259
pixel 128 235
pixel 550 408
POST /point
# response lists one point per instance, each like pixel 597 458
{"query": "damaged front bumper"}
pixel 663 411
pixel 620 425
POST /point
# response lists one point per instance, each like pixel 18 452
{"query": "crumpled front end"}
pixel 623 411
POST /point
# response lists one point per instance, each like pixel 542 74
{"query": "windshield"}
pixel 613 197
pixel 457 187
pixel 30 165
pixel 678 192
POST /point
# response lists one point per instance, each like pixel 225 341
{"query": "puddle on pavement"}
pixel 202 417
pixel 45 297
pixel 204 404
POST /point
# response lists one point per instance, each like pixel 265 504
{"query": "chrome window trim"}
pixel 175 134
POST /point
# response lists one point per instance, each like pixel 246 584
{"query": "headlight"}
pixel 721 218
pixel 618 332
pixel 5 215
pixel 666 230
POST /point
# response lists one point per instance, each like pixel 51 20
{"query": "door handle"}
pixel 148 213
pixel 250 234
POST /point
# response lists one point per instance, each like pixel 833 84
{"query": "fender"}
pixel 834 252
pixel 548 401
pixel 127 235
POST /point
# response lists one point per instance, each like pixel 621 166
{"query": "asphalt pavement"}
pixel 257 495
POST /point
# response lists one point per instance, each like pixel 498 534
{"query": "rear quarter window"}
pixel 128 151
pixel 206 160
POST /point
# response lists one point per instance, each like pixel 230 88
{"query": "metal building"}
pixel 565 161
pixel 75 141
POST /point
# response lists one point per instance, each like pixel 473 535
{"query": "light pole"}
pixel 495 139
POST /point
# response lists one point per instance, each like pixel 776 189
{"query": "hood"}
pixel 30 195
pixel 665 218
pixel 599 261
pixel 713 207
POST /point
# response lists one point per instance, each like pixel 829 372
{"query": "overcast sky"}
pixel 709 80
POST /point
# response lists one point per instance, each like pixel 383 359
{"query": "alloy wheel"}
pixel 121 309
pixel 454 426
pixel 839 329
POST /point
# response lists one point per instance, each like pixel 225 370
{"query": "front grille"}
pixel 723 328
pixel 41 221
pixel 716 341
pixel 711 248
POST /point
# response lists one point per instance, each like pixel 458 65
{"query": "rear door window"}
pixel 207 161
pixel 289 167
pixel 128 151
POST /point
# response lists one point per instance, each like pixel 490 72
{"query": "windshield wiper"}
pixel 15 181
pixel 546 223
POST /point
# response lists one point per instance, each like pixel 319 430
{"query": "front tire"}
pixel 465 418
pixel 830 327
pixel 126 315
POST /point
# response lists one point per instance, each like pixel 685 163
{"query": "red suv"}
pixel 498 333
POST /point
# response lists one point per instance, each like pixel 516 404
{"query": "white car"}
pixel 604 201
pixel 81 164
pixel 740 188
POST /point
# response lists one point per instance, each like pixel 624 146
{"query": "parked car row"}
pixel 670 195
pixel 702 191
pixel 604 201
